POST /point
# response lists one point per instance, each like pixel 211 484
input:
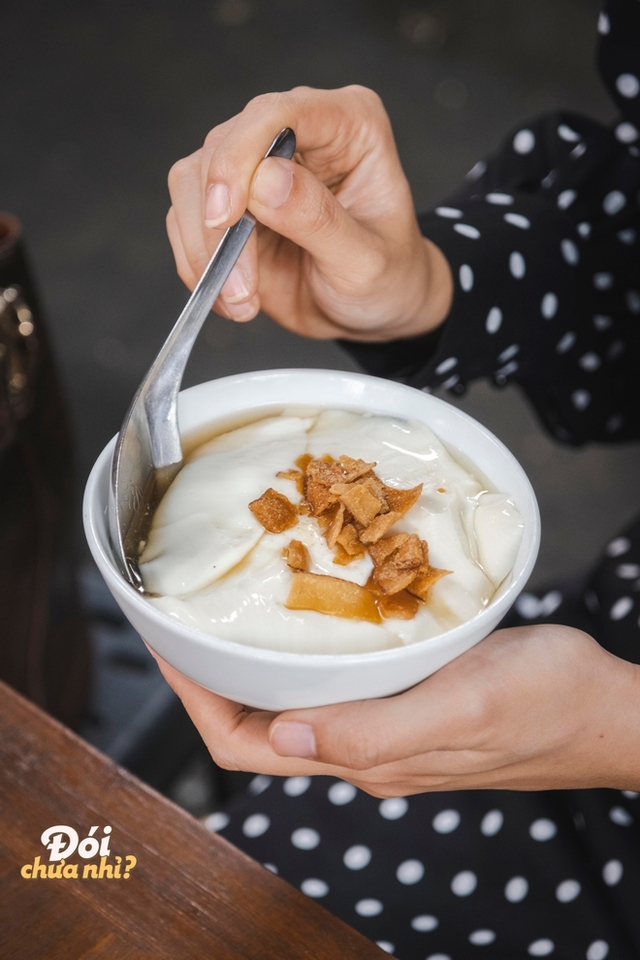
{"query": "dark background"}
pixel 99 98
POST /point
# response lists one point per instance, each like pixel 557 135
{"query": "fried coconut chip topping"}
pixel 355 510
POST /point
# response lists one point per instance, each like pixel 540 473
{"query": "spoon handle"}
pixel 165 376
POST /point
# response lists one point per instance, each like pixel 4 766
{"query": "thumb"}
pixel 289 199
pixel 365 733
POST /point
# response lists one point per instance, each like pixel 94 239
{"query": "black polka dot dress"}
pixel 543 243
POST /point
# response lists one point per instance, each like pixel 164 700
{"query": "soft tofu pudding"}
pixel 328 532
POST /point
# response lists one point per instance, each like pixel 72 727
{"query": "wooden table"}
pixel 190 895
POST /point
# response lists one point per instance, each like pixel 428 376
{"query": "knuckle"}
pixel 322 215
pixel 366 96
pixel 179 174
pixel 212 140
pixel 267 101
pixel 361 752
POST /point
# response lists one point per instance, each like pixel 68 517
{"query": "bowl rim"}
pixel 105 561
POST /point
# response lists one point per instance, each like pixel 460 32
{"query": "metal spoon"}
pixel 148 452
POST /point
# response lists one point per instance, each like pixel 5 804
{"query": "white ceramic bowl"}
pixel 276 680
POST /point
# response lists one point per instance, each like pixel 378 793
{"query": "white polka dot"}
pixel 620 816
pixel 446 821
pixel 627 236
pixel 567 891
pixel 517 220
pixel 506 371
pixel 621 608
pixel 508 353
pixel 517 265
pixel 341 793
pixel 590 361
pixel 550 602
pixel 618 546
pixel 566 133
pixel 368 907
pixel 446 365
pixel 216 821
pixel 271 867
pixel 581 399
pixel 541 948
pixel 393 808
pixel 357 858
pixel 314 887
pixel 528 606
pixel 543 829
pixel 612 872
pixel 516 889
pixel 578 150
pixel 304 838
pixel 259 784
pixel 604 24
pixel 584 229
pixel 479 938
pixel 492 823
pixel 598 950
pixel 477 170
pixel 424 923
pixel 256 825
pixel 628 85
pixel 570 252
pixel 296 786
pixel 628 571
pixel 632 298
pixel 603 280
pixel 566 198
pixel 614 201
pixel 602 323
pixel 410 872
pixel 451 382
pixel 494 320
pixel 550 179
pixel 450 212
pixel 524 141
pixel 467 230
pixel 630 794
pixel 614 423
pixel 634 151
pixel 438 956
pixel 566 342
pixel 549 306
pixel 464 883
pixel 626 132
pixel 385 945
pixel 466 277
pixel 500 199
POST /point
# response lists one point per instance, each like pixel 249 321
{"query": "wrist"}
pixel 614 736
pixel 431 292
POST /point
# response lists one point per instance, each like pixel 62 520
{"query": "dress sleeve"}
pixel 542 240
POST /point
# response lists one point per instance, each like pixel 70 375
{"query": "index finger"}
pixel 325 123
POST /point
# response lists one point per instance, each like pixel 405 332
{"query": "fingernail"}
pixel 240 312
pixel 236 286
pixel 273 182
pixel 293 739
pixel 217 207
